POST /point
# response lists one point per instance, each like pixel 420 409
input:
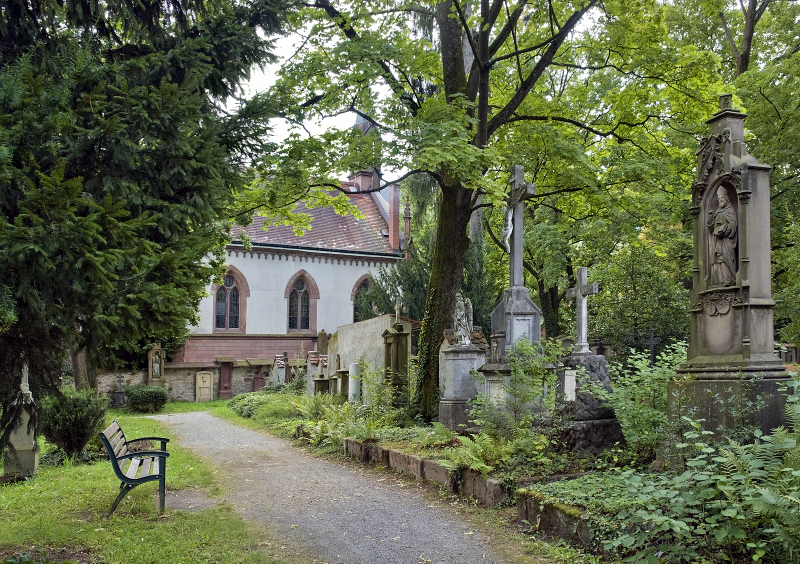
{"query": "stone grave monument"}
pixel 731 339
pixel 23 456
pixel 516 316
pixel 458 357
pixel 593 427
pixel 155 366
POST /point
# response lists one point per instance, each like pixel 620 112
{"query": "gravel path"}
pixel 336 513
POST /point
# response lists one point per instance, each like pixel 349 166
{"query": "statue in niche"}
pixel 723 226
pixel 157 365
pixel 462 325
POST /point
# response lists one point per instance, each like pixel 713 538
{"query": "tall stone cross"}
pixel 520 191
pixel 580 293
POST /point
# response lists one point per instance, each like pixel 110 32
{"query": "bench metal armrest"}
pixel 144 454
pixel 162 439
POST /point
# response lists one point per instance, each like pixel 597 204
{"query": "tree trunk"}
pixel 548 298
pixel 447 271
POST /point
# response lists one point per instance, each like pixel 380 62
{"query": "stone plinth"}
pixel 594 427
pixel 25 457
pixel 456 383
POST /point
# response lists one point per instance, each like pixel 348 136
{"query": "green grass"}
pixel 65 506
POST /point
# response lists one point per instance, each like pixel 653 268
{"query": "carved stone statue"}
pixel 461 329
pixel 723 225
pixel 156 366
pixel 508 227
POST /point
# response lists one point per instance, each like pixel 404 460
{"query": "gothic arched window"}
pixel 362 289
pixel 299 306
pixel 227 304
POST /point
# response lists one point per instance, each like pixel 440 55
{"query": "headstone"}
pixel 456 382
pixel 23 456
pixel 204 383
pixel 651 341
pixel 580 292
pixel 155 366
pixel 119 393
pixel 322 342
pixel 731 330
pixel 396 343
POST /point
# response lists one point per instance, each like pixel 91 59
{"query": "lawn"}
pixel 61 512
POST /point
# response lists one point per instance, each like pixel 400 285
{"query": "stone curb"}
pixel 555 519
pixel 487 491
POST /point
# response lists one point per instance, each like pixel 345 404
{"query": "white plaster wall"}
pixel 267 276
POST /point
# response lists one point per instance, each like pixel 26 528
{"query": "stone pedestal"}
pixel 456 383
pixel 25 457
pixel 594 427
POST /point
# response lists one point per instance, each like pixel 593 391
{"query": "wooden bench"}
pixel 134 468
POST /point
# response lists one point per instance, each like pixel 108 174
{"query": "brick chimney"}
pixel 394 217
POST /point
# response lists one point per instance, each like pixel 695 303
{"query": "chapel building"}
pixel 280 294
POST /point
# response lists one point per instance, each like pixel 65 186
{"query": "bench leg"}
pixel 162 490
pixel 123 491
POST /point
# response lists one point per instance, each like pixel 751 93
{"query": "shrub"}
pixel 639 396
pixel 72 419
pixel 145 399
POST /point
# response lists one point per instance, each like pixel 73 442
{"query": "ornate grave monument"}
pixel 516 316
pixel 458 357
pixel 731 313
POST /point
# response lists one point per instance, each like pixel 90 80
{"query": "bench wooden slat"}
pixel 146 467
pixel 121 446
pixel 133 467
pixel 154 470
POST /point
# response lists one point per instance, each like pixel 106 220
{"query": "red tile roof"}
pixel 329 230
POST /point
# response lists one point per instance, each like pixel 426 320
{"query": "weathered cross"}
pixel 580 292
pixel 651 342
pixel 520 191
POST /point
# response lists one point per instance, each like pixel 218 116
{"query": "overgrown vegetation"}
pixel 731 502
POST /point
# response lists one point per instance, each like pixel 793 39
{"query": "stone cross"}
pixel 651 343
pixel 580 292
pixel 520 191
pixel 397 310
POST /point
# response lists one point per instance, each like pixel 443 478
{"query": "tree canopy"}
pixel 118 167
pixel 588 96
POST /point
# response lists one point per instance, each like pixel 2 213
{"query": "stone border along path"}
pixel 334 512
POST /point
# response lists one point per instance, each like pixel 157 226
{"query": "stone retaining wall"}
pixel 487 491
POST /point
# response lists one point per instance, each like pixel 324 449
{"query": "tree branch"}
pixel 503 115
